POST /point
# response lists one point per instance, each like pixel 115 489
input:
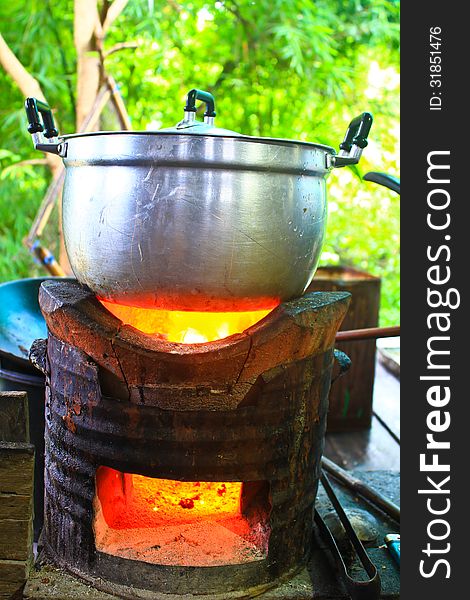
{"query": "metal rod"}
pixel 361 488
pixel 367 334
pixel 385 426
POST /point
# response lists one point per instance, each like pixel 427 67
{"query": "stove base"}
pixel 317 580
pixel 52 583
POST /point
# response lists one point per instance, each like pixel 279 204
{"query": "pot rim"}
pixel 243 138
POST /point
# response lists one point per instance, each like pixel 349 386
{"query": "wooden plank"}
pixel 14 418
pixel 16 494
pixel 13 574
pixel 16 468
pixel 373 449
pixel 15 506
pixel 16 539
pixel 387 398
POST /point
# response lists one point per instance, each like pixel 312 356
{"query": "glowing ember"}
pixel 183 326
pixel 173 500
pixel 163 521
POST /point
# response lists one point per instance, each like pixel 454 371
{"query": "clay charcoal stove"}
pixel 183 468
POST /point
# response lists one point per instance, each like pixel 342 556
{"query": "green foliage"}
pixel 18 201
pixel 299 69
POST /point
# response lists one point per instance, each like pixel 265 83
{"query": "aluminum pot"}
pixel 194 217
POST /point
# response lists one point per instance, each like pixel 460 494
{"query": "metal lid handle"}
pixel 35 107
pixel 41 131
pixel 388 181
pixel 354 141
pixel 205 97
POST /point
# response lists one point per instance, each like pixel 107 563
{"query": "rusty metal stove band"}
pixel 73 457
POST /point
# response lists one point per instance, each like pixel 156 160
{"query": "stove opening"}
pixel 167 522
pixel 186 327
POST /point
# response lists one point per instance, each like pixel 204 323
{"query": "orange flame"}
pixel 128 499
pixel 170 522
pixel 183 326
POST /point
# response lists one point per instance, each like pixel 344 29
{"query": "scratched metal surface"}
pixel 194 222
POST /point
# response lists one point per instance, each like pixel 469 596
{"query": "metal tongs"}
pixel 357 589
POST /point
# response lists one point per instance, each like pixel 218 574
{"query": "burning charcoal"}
pixel 186 503
pixel 222 489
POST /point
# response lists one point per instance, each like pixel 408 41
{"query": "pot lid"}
pixel 189 124
pixel 45 134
